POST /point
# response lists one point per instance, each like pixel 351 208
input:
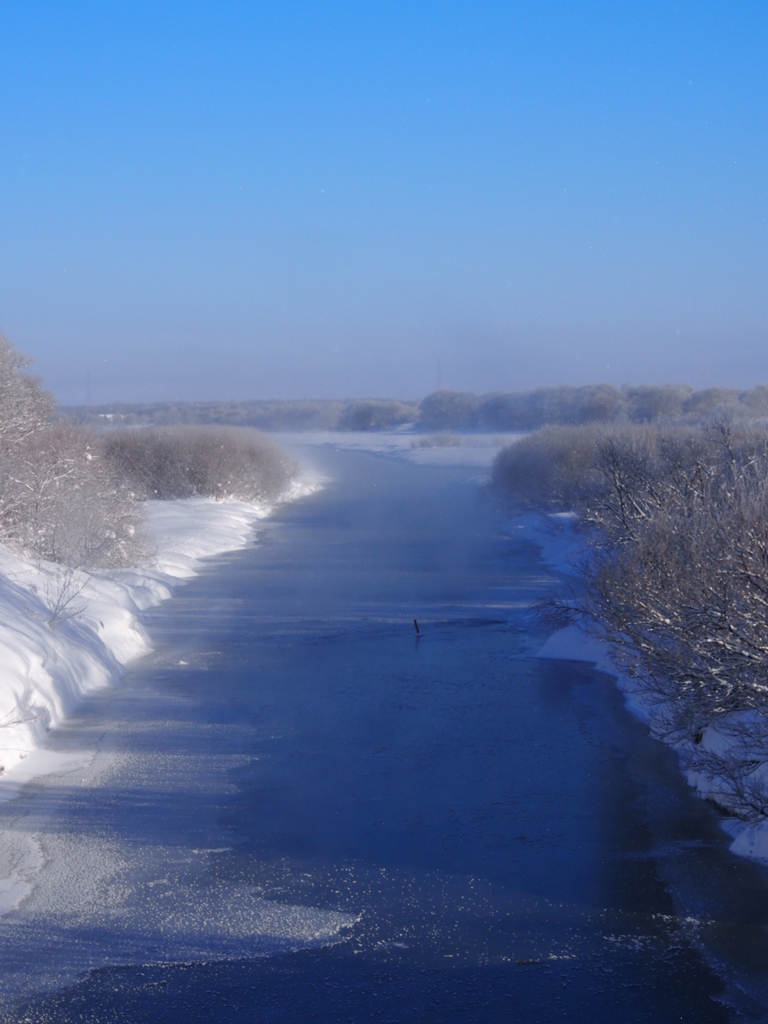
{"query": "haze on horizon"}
pixel 203 201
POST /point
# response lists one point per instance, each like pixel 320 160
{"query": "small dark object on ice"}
pixel 416 625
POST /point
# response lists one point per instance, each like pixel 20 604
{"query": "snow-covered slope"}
pixel 65 634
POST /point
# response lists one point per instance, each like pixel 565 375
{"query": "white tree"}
pixel 60 499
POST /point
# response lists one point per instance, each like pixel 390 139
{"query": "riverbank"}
pixel 732 738
pixel 65 634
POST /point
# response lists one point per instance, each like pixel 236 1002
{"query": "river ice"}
pixel 444 827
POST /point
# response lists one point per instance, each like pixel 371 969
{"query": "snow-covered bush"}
pixel 552 468
pixel 258 414
pixel 678 567
pixel 179 462
pixel 437 441
pixel 676 571
pixel 677 559
pixel 59 499
pixel 649 404
pixel 24 407
pixel 448 410
pixel 376 414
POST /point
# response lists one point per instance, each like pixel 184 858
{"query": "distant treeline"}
pixel 453 410
pixel 596 403
pixel 286 415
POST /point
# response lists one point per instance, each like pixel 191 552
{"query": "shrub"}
pixel 676 563
pixel 437 441
pixel 375 414
pixel 646 404
pixel 219 462
pixel 678 570
pixel 598 403
pixel 449 410
pixel 756 400
pixel 59 500
pixel 24 407
pixel 711 400
pixel 554 468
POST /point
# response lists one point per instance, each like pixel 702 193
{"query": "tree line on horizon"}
pixel 450 410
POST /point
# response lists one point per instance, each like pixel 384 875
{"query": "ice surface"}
pixel 49 663
pixel 100 903
pixel 87 901
pixel 426 449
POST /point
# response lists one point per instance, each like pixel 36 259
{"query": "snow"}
pixel 425 449
pixel 50 662
pixel 561 547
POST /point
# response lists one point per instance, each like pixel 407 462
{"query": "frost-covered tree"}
pixel 675 569
pixel 676 565
pixel 376 414
pixel 66 503
pixel 59 498
pixel 678 568
pixel 24 407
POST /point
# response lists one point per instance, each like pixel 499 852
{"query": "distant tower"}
pixel 88 388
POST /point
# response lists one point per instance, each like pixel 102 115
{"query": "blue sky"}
pixel 239 200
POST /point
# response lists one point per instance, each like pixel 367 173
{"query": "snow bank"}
pixel 65 634
pixel 732 738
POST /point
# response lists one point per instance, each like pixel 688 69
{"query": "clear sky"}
pixel 294 198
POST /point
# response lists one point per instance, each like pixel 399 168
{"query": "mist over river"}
pixel 297 809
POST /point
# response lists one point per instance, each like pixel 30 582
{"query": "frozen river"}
pixel 299 810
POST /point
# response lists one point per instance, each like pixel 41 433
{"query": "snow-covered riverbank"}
pixel 735 737
pixel 65 634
